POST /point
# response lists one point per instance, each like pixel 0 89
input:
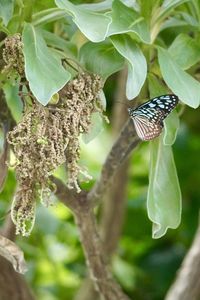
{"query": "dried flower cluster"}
pixel 13 55
pixel 47 137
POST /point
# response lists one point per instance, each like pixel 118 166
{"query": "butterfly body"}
pixel 148 117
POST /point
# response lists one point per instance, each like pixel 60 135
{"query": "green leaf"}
pixel 92 24
pixel 48 15
pixel 172 22
pixel 57 42
pixel 100 6
pixel 171 125
pixel 191 53
pixel 13 101
pixel 96 128
pixel 43 70
pixel 6 10
pixel 167 6
pixel 156 87
pixel 125 19
pixel 147 7
pixel 137 66
pixel 164 195
pixel 101 58
pixel 107 4
pixel 102 99
pixel 180 82
pixel 190 20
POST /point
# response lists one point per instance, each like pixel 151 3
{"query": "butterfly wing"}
pixel 145 129
pixel 165 103
pixel 148 117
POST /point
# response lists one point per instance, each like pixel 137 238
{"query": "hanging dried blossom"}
pixel 47 137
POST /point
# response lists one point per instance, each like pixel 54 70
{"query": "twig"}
pixel 91 243
pixel 65 195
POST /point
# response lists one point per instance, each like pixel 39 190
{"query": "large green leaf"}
pixel 156 86
pixel 191 53
pixel 181 83
pixel 137 66
pixel 167 6
pixel 6 10
pixel 107 4
pixel 92 24
pixel 164 195
pixel 47 15
pixel 147 8
pixel 172 22
pixel 189 19
pixel 96 127
pixel 101 58
pixel 100 6
pixel 125 19
pixel 13 100
pixel 44 71
pixel 171 123
pixel 57 42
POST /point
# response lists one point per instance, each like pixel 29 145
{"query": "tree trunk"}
pixel 187 284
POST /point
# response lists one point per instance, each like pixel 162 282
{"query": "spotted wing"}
pixel 148 117
pixel 164 103
pixel 145 129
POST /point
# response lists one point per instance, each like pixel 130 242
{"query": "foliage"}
pixel 158 42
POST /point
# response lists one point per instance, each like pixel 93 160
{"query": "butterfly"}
pixel 148 117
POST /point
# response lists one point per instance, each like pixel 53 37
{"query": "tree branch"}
pixel 91 243
pixel 67 196
pixel 125 143
pixel 187 284
pixel 92 246
pixel 113 208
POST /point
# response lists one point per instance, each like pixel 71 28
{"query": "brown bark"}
pixel 92 246
pixel 110 227
pixel 12 284
pixel 187 283
pixel 112 214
